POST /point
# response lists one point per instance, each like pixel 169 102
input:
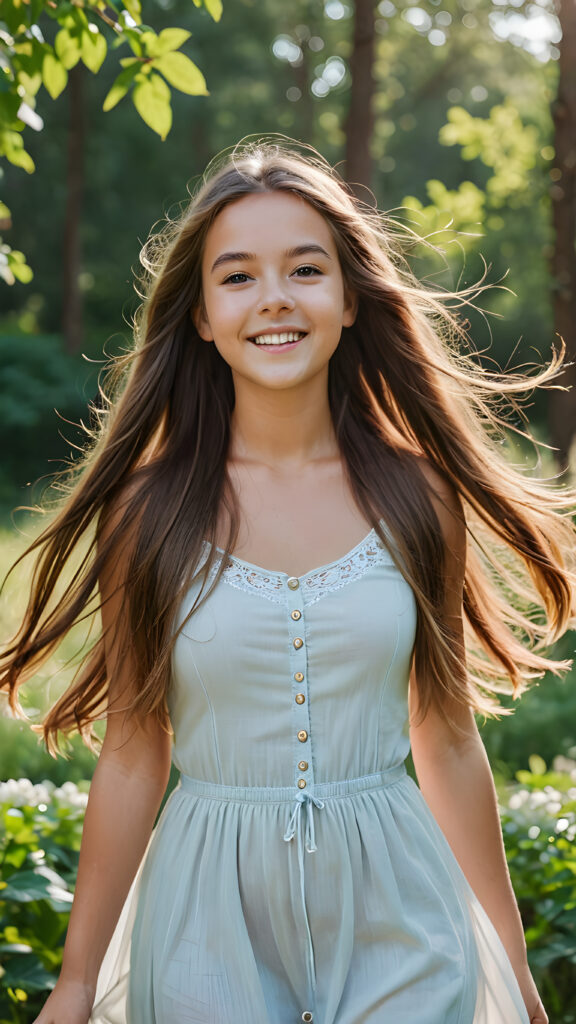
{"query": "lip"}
pixel 284 328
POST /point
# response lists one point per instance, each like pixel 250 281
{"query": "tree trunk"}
pixel 360 120
pixel 563 192
pixel 72 305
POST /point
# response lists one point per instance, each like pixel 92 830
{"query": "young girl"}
pixel 298 498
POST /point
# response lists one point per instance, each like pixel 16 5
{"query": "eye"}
pixel 238 277
pixel 307 271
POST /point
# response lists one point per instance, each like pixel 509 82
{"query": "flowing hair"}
pixel 402 386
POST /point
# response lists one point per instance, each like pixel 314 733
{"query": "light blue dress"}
pixel 296 873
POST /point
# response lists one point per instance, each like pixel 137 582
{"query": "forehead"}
pixel 265 222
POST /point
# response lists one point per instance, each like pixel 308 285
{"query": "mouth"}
pixel 279 339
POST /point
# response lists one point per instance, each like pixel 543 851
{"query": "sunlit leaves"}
pixel 93 49
pixel 152 101
pixel 67 47
pixel 29 61
pixel 121 86
pixel 453 215
pixel 151 95
pixel 182 73
pixel 54 75
pixel 214 7
pixel 13 266
pixel 134 8
pixel 12 147
pixel 168 40
pixel 502 142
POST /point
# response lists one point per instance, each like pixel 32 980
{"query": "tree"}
pixel 360 119
pixel 43 41
pixel 563 193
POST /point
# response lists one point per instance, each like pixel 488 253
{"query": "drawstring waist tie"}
pixel 314 797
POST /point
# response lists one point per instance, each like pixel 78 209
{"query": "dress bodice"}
pixel 274 672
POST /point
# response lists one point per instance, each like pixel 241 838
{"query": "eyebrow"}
pixel 298 250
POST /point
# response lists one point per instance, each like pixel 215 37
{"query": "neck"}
pixel 282 428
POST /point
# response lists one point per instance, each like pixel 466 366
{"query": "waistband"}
pixel 285 794
pixel 300 823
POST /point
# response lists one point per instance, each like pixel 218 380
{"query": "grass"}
pixel 22 753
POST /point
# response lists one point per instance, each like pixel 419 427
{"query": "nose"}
pixel 275 296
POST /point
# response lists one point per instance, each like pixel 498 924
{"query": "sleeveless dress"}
pixel 296 873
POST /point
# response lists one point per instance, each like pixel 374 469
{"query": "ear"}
pixel 350 308
pixel 201 322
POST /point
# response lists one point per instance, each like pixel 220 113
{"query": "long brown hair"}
pixel 400 387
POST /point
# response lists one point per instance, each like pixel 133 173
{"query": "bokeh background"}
pixel 459 117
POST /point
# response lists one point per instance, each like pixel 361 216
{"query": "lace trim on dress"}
pixel 314 584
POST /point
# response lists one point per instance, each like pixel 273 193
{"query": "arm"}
pixel 125 794
pixel 456 780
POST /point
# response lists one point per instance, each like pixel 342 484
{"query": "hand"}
pixel 70 1003
pixel 539 1015
pixel 534 1005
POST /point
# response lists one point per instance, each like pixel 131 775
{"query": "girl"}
pixel 291 498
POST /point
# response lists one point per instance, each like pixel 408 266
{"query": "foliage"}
pixel 539 823
pixel 40 831
pixel 508 155
pixel 41 391
pixel 42 41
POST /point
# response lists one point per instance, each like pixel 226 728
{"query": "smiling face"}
pixel 274 300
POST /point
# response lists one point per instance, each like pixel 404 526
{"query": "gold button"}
pixel 293 583
pixel 302 735
pixel 301 783
pixel 298 676
pixel 299 698
pixel 296 615
pixel 307 1016
pixel 298 642
pixel 302 766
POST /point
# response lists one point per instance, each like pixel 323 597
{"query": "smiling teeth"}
pixel 278 339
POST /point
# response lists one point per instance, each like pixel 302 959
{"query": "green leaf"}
pixel 94 50
pixel 537 764
pixel 20 269
pixel 12 147
pixel 214 8
pixel 41 883
pixel 133 37
pixel 182 73
pixel 27 973
pixel 122 84
pixel 152 101
pixel 67 47
pixel 4 212
pixel 169 39
pixel 134 8
pixel 54 75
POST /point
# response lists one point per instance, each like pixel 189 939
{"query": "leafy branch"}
pixel 86 31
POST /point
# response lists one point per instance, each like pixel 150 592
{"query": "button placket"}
pixel 303 778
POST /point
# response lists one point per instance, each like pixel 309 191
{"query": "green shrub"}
pixel 538 816
pixel 40 831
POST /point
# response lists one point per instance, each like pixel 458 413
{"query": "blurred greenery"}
pixel 538 815
pixel 463 155
pixel 40 832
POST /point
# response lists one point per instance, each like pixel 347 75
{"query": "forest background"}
pixel 458 115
